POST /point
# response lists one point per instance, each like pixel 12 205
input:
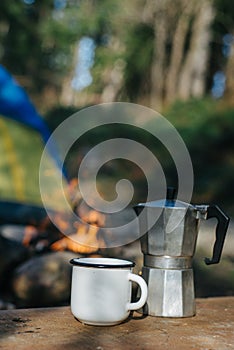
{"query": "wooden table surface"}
pixel 56 328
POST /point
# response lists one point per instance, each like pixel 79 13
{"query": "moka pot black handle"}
pixel 213 211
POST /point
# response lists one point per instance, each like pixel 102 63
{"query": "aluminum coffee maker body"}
pixel 168 246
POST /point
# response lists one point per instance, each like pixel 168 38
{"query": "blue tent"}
pixel 15 104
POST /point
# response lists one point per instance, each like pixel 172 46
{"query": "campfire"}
pixel 86 239
pixel 31 245
pixel 82 236
pixel 36 246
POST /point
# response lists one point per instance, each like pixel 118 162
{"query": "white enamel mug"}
pixel 101 290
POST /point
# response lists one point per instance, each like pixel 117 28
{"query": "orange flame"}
pixel 85 240
pixel 82 237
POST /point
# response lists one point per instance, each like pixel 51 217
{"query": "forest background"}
pixel 176 57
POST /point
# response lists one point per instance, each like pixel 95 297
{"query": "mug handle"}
pixel 144 292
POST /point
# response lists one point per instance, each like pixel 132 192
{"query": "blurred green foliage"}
pixel 37 43
pixel 207 128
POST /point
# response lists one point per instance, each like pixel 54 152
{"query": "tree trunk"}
pixel 157 71
pixel 230 77
pixel 178 71
pixel 178 44
pixel 155 12
pixel 193 78
pixel 67 96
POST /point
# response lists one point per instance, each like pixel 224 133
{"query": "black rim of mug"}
pixel 81 262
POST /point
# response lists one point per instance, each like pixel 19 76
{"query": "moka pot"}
pixel 168 246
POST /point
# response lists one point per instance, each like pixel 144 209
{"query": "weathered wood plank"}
pixel 56 328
